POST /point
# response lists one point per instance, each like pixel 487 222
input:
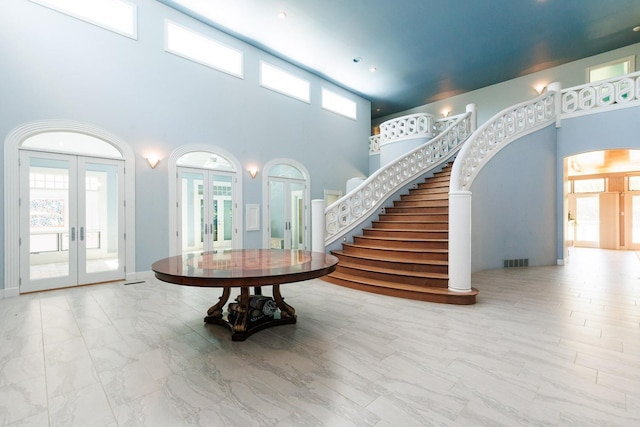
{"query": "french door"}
pixel 71 220
pixel 205 210
pixel 287 213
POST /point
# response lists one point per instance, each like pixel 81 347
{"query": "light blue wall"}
pixel 517 201
pixel 513 205
pixel 374 163
pixel 57 67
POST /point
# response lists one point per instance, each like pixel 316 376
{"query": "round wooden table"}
pixel 246 268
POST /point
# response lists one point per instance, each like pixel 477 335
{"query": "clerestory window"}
pixel 119 16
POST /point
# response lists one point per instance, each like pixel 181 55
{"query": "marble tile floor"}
pixel 544 346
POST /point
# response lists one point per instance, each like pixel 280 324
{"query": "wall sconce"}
pixel 540 88
pixel 153 160
pixel 445 113
pixel 253 171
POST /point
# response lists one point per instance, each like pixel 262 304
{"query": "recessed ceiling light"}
pixel 373 69
pixel 282 15
pixel 357 59
pixel 636 29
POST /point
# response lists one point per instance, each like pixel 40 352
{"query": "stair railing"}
pixel 503 128
pixel 352 209
pixel 614 93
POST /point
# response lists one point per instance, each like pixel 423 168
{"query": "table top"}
pixel 244 267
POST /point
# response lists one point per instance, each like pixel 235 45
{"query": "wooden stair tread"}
pixel 423 274
pixel 391 230
pixel 407 214
pixel 408 222
pixel 439 251
pixel 403 239
pixel 392 259
pixel 399 286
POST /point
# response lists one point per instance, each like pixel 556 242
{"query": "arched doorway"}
pixel 286 217
pixel 66 210
pixel 603 199
pixel 205 200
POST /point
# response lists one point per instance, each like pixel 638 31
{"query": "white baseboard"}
pixel 8 293
pixel 141 275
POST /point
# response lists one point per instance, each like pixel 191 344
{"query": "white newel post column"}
pixel 557 88
pixel 317 225
pixel 471 108
pixel 460 241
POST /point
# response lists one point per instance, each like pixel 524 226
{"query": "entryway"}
pixel 603 200
pixel 71 220
pixel 286 213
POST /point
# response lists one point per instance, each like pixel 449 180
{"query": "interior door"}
pixel 296 223
pixel 632 216
pixel 287 212
pixel 587 220
pixel 205 212
pixel 609 220
pixel 71 220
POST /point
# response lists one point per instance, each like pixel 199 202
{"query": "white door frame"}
pixel 173 193
pixel 266 212
pixel 628 224
pixel 76 221
pixel 12 145
pixel 208 185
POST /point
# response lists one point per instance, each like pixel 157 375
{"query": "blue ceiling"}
pixel 423 50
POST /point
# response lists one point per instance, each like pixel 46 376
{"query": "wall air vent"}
pixel 514 263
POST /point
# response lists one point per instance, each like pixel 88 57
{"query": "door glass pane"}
pixel 192 187
pixel 285 171
pixel 635 221
pixel 48 218
pixel 588 219
pixel 100 232
pixel 297 219
pixel 72 142
pixel 228 224
pixel 205 160
pixel 276 206
pixel 222 211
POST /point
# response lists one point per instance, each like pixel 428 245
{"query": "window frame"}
pixel 281 90
pixel 629 59
pixel 201 61
pixel 339 111
pixel 50 4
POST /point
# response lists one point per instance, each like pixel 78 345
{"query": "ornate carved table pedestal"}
pixel 244 269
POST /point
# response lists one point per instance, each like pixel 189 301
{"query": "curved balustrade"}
pixel 350 210
pixel 439 127
pixel 503 128
pixel 374 144
pixel 506 126
pixel 411 126
pixel 442 124
pixel 592 97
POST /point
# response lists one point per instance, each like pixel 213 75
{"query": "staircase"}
pixel 405 253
